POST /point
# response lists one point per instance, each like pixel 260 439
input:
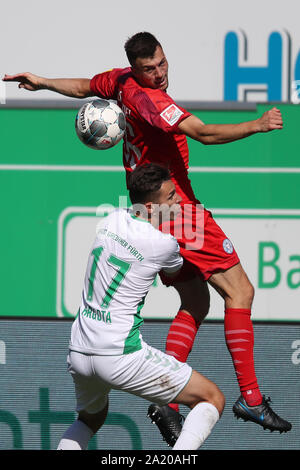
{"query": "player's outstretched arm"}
pixel 73 87
pixel 223 133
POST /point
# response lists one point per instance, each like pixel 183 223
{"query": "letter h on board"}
pixel 273 79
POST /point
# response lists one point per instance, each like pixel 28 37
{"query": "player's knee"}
pixel 93 420
pixel 194 298
pixel 218 400
pixel 214 396
pixel 247 293
pixel 203 305
pixel 197 306
pixel 199 312
pixel 204 390
pixel 242 294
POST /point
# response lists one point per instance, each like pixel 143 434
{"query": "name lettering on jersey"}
pixel 171 114
pixel 135 253
pixel 99 315
pixel 122 242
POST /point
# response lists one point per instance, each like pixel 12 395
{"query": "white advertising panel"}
pixel 267 243
pixel 232 51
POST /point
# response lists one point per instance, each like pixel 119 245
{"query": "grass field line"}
pixel 118 168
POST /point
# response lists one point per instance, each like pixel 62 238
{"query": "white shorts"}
pixel 147 373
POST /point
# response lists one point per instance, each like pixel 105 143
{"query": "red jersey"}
pixel 152 133
pixel 152 136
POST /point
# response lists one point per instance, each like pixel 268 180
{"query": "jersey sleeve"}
pixel 105 85
pixel 171 260
pixel 160 110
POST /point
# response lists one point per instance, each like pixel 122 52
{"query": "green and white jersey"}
pixel 126 256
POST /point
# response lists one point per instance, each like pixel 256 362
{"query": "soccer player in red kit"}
pixel 156 130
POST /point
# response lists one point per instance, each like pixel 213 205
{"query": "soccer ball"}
pixel 100 124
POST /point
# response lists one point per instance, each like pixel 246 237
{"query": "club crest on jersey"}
pixel 171 114
pixel 227 246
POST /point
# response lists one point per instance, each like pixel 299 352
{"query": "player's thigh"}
pixel 194 297
pixel 90 390
pixel 233 283
pixel 148 373
pixel 198 389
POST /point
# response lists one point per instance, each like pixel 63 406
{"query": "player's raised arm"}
pixel 73 87
pixel 223 133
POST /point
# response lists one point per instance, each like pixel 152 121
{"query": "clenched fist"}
pixel 270 120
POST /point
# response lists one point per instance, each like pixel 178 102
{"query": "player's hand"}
pixel 270 120
pixel 26 80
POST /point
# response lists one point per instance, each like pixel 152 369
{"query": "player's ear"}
pixel 134 72
pixel 149 207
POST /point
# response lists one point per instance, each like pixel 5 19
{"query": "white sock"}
pixel 197 426
pixel 76 437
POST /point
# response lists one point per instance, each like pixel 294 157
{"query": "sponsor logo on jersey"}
pixel 171 114
pixel 227 246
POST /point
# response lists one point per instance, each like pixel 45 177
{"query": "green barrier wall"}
pixel 40 156
pixel 37 398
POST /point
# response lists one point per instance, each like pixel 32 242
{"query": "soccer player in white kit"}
pixel 106 349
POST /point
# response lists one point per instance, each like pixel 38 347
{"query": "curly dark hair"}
pixel 141 45
pixel 146 180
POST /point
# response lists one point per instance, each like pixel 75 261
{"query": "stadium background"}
pixel 54 191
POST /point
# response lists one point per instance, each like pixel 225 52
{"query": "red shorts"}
pixel 203 245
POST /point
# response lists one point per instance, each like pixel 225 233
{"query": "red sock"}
pixel 181 338
pixel 239 338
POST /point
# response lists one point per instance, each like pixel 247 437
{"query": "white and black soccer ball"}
pixel 100 124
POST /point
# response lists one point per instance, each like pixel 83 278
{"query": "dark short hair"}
pixel 141 45
pixel 145 180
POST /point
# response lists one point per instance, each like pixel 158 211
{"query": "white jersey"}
pixel 126 256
